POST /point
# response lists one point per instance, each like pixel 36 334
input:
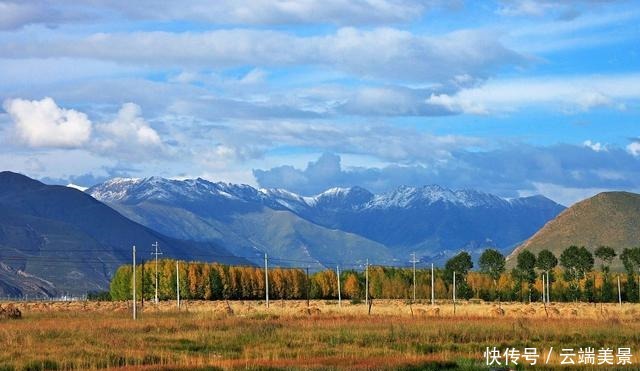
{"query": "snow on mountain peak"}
pixel 157 188
pixel 406 196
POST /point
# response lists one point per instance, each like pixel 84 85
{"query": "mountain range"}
pixel 340 225
pixel 56 240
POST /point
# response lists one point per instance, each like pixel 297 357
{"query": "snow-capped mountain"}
pixel 429 219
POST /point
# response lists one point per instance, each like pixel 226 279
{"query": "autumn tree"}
pixel 352 286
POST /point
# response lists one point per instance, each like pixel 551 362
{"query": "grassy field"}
pixel 246 335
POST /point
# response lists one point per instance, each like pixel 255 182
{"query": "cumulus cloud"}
pixel 385 53
pixel 41 123
pixel 634 148
pixel 129 126
pixel 596 146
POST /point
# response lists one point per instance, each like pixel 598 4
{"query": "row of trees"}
pixel 572 277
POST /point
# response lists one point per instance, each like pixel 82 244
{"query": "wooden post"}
pixel 177 285
pixel 619 294
pixel 432 286
pixel 307 286
pixel 266 280
pixel 142 283
pixel 134 283
pixel 454 292
pixel 544 291
pixel 548 289
pixel 366 284
pixel 339 294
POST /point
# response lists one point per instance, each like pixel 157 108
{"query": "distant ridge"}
pixel 608 218
pixel 63 236
pixel 346 225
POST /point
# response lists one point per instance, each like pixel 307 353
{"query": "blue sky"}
pixel 513 97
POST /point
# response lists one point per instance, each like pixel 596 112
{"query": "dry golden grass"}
pixel 289 335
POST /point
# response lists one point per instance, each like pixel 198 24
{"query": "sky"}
pixel 510 97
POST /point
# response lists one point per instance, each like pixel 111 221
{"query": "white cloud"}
pixel 255 76
pixel 43 124
pixel 567 94
pixel 268 12
pixel 452 104
pixel 564 195
pixel 634 148
pixel 384 53
pixel 525 7
pixel 128 133
pixel 596 146
pixel 15 14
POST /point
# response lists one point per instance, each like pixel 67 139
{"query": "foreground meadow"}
pixel 288 335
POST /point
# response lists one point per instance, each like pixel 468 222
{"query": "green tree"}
pixel 120 287
pixel 577 262
pixel 461 264
pixel 216 282
pixel 492 263
pixel 526 265
pixel 605 254
pixel 546 261
pixel 631 262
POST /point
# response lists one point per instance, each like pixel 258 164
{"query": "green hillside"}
pixel 609 218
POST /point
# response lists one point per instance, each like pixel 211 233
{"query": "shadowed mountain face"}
pixel 71 240
pixel 609 219
pixel 345 225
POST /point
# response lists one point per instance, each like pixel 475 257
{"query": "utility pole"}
pixel 339 294
pixel 454 292
pixel 619 294
pixel 134 283
pixel 142 283
pixel 178 285
pixel 366 284
pixel 433 302
pixel 307 287
pixel 156 254
pixel 414 261
pixel 266 279
pixel 548 289
pixel 544 292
